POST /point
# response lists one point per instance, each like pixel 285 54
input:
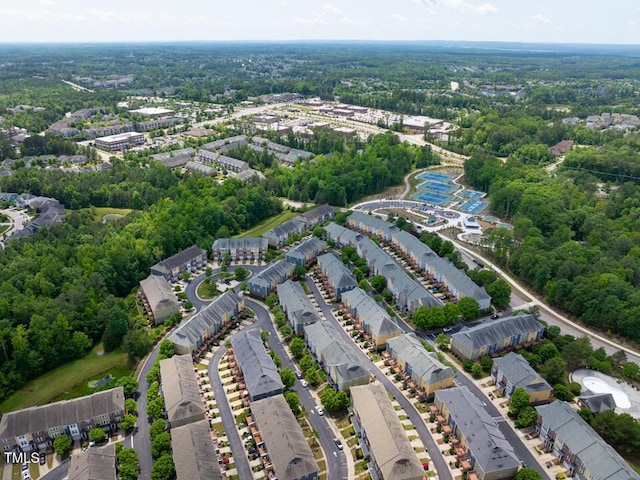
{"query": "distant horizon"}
pixel 161 21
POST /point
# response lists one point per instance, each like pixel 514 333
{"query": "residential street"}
pixel 436 458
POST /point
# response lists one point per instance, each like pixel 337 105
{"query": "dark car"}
pixel 495 315
pixel 43 458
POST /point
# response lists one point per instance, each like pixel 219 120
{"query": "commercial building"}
pixel 382 436
pixel 152 112
pixel 194 453
pixel 194 333
pixel 260 373
pixel 462 414
pixel 187 260
pixel 372 317
pixel 425 372
pixel 306 253
pixel 513 371
pixel 336 275
pixel 342 366
pixel 284 450
pixel 263 283
pixel 159 299
pixel 489 338
pixel 180 391
pixel 96 463
pixel 297 305
pixel 120 141
pixel 240 249
pixel 580 449
pixel 36 428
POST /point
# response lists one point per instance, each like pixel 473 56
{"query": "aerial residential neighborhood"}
pixel 319 241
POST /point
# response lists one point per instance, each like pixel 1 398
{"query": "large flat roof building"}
pixel 288 450
pixel 180 391
pixel 382 435
pixel 120 141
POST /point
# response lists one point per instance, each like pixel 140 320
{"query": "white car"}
pixel 319 410
pixel 304 383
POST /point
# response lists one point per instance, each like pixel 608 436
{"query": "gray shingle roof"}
pixel 598 402
pixel 289 451
pixel 519 373
pixel 193 452
pixel 179 259
pixel 67 412
pixel 274 273
pixel 307 250
pixel 373 316
pixel 296 304
pixel 387 438
pixel 286 229
pixel 313 216
pixel 491 333
pixel 97 463
pixel 336 271
pixel 260 373
pixel 424 364
pixel 191 331
pixel 598 457
pixel 485 441
pixel 243 244
pixel 180 389
pixel 159 294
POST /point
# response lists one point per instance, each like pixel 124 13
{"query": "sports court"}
pixel 436 177
pixel 432 197
pixel 473 206
pixel 438 187
pixel 471 193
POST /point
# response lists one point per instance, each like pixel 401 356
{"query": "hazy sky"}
pixel 578 21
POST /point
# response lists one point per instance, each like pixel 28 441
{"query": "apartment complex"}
pixel 194 453
pixel 265 282
pixel 513 371
pixel 240 249
pixel 180 391
pixel 185 261
pixel 336 275
pixel 159 299
pixel 297 305
pixel 306 253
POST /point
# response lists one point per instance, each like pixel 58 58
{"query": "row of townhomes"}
pixel 303 222
pixel 342 366
pixel 240 249
pixel 489 338
pixel 582 451
pixel 35 428
pixel 306 252
pixel 94 463
pixel 297 305
pixel 193 335
pixel 191 441
pixel 337 277
pixel 454 281
pixel 480 440
pixel 265 282
pixel 382 437
pixel 408 293
pixel 187 260
pixel 260 373
pixel 513 371
pixel 425 372
pixel 370 317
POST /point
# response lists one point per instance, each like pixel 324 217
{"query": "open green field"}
pixel 69 380
pixel 268 224
pixel 4 228
pixel 100 212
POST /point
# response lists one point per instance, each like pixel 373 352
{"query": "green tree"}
pixel 299 271
pixel 443 341
pixel 378 282
pixel 96 435
pixel 451 313
pixel 129 384
pixel 561 392
pixel 527 474
pixel 241 273
pixel 156 428
pixel 500 292
pixel 137 342
pixel 469 308
pixel 520 399
pixel 318 231
pixel 306 362
pixel 264 336
pixel 161 445
pixel 163 468
pixel 364 285
pixel 128 462
pixel 426 318
pixel 286 332
pixel 130 405
pixel 578 354
pixel 117 327
pixel 128 421
pixel 293 400
pixel 526 418
pixel 297 347
pixel 155 408
pixel 554 371
pixel 166 349
pixel 476 371
pixel 62 443
pixel 288 378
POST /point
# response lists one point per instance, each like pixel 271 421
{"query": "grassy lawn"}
pixel 360 467
pixel 4 228
pixel 100 212
pixel 81 389
pixel 268 224
pixel 61 380
pixel 207 290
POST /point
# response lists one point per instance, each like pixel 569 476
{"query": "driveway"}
pixel 434 452
pixel 336 461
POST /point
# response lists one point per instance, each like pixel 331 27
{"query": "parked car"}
pixel 425 465
pixel 43 458
pixel 298 374
pixel 304 383
pixel 495 315
pixel 319 410
pixel 338 443
pixel 25 466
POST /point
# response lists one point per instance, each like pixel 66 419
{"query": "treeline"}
pixel 345 177
pixel 578 248
pixel 65 288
